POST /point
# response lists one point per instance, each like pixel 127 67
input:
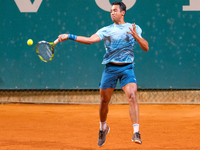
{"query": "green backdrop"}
pixel 173 36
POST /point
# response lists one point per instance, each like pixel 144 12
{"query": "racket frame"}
pixel 51 44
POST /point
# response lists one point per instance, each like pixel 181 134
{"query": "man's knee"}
pixel 106 95
pixel 104 101
pixel 132 98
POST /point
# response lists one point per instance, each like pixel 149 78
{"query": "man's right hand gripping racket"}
pixel 45 50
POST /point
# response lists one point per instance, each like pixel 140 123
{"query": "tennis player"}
pixel 119 40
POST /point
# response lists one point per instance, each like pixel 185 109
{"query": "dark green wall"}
pixel 173 36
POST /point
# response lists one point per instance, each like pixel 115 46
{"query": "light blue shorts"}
pixel 113 72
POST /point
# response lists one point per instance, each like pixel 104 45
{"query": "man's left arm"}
pixel 142 42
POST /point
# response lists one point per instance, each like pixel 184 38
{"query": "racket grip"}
pixel 56 41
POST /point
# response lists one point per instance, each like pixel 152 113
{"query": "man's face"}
pixel 116 13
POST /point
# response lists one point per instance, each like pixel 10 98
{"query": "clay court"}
pixel 55 105
pixel 75 127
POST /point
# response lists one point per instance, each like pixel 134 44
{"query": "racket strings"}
pixel 45 51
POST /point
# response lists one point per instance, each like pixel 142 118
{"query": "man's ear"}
pixel 123 13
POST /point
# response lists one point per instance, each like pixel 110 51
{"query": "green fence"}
pixel 170 26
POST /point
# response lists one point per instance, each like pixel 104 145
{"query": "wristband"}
pixel 72 37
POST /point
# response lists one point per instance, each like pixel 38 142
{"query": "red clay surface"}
pixel 75 127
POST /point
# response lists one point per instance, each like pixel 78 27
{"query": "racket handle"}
pixel 56 41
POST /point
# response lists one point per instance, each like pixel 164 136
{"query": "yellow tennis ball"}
pixel 30 42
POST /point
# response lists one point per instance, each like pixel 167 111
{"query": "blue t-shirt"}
pixel 119 45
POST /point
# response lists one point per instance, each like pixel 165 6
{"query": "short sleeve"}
pixel 139 31
pixel 101 33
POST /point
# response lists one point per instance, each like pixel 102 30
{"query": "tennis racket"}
pixel 45 50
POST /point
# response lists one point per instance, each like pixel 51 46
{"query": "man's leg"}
pixel 130 90
pixel 103 111
pixel 105 99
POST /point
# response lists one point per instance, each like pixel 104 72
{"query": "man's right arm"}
pixel 81 39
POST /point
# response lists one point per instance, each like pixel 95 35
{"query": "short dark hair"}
pixel 121 5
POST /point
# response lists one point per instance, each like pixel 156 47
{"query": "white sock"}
pixel 135 128
pixel 103 126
